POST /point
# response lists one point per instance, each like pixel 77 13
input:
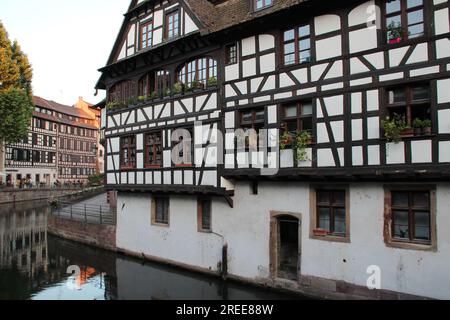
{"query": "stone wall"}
pixel 101 236
pixel 22 195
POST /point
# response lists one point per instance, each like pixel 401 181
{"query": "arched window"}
pixel 122 91
pixel 201 70
pixel 157 81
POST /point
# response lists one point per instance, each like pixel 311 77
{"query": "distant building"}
pixel 62 145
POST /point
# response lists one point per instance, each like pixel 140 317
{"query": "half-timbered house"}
pixel 302 144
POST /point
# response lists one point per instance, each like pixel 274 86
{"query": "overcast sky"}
pixel 66 42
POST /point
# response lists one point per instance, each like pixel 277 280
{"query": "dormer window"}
pixel 262 4
pixel 172 28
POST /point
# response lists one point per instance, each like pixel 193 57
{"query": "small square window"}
pixel 160 210
pixel 231 52
pixel 262 4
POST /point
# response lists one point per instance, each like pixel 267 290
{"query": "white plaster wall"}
pixel 246 230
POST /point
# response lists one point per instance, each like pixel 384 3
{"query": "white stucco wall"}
pixel 247 232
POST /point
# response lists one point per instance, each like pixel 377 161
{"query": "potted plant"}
pixel 167 92
pixel 212 82
pixel 177 89
pixel 152 95
pixel 196 85
pixel 417 125
pixel 426 127
pixel 285 140
pixel 396 128
pixel 142 99
pixel 303 140
pixel 395 32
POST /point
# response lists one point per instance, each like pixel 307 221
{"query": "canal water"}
pixel 36 266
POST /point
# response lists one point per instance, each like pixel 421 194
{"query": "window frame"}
pixel 129 149
pixel 299 118
pixel 149 31
pixel 404 20
pixel 389 234
pixel 264 7
pixel 296 40
pixel 147 163
pixel 168 14
pixel 314 221
pixel 183 77
pixel 166 207
pixel 201 203
pixel 409 103
pixel 230 59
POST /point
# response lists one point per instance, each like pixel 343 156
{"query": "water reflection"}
pixel 34 265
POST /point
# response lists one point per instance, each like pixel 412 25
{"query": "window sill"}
pixel 153 167
pixel 205 231
pixel 330 238
pixel 160 225
pixel 398 244
pixel 127 168
pixel 184 166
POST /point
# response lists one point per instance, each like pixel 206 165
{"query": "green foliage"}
pixel 115 105
pixel 393 128
pixel 15 91
pixel 395 30
pixel 16 109
pixel 302 141
pixel 152 95
pixel 196 85
pixel 177 88
pixel 427 123
pixel 96 179
pixel 285 140
pixel 142 98
pixel 418 123
pixel 212 82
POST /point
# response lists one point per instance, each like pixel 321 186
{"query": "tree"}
pixel 15 94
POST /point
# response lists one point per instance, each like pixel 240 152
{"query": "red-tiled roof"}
pixel 51 105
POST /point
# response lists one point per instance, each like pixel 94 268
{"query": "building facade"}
pixel 62 145
pixel 301 144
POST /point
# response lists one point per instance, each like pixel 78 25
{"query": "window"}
pixel 158 82
pixel 128 152
pixel 172 28
pixel 331 212
pixel 122 91
pixel 410 103
pixel 147 35
pixel 160 210
pixel 298 117
pixel 200 70
pixel 251 120
pixel 297 45
pixel 204 215
pixel 411 218
pixel 153 150
pixel 404 19
pixel 186 147
pixel 261 4
pixel 231 54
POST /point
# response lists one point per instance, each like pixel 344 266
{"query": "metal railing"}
pixel 95 214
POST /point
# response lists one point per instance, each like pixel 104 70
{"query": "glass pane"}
pixel 339 221
pixel 307 124
pixel 289 59
pixel 289 48
pixel 304 31
pixel 304 44
pixel 415 17
pixel 324 219
pixel 400 199
pixel 290 111
pixel 292 126
pixel 339 197
pixel 247 117
pixel 393 6
pixel 307 109
pixel 422 225
pixel 260 115
pixel 289 35
pixel 421 93
pixel 323 197
pixel 305 56
pixel 397 95
pixel 401 224
pixel 416 31
pixel 414 3
pixel 421 199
